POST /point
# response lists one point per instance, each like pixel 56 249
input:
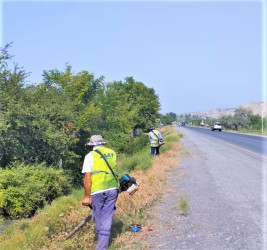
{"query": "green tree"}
pixel 256 122
pixel 173 115
pixel 50 122
pixel 129 105
pixel 11 95
pixel 166 119
pixel 145 101
pixel 241 119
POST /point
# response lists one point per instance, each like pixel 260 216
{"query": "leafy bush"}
pixel 24 189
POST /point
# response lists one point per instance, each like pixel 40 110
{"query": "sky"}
pixel 196 55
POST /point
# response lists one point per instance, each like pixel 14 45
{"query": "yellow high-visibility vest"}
pixel 154 142
pixel 102 177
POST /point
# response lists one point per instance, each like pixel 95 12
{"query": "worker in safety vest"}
pixel 101 187
pixel 154 136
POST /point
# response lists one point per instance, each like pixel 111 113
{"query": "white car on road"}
pixel 216 126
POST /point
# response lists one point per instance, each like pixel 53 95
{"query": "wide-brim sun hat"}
pixel 96 140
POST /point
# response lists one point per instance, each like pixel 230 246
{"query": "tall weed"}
pixel 184 205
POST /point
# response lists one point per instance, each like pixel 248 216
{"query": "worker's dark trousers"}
pixel 103 210
pixel 153 149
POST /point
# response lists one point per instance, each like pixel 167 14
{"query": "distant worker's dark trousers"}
pixel 153 150
pixel 103 211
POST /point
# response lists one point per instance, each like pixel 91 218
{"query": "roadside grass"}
pixel 184 205
pixel 48 228
pixel 142 161
pixel 253 132
pixel 34 233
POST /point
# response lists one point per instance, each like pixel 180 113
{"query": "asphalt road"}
pixel 254 143
pixel 225 184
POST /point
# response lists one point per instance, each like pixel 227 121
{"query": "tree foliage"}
pixel 168 118
pixel 50 122
pixel 241 119
pixel 173 115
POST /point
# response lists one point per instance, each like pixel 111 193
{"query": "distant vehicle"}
pixel 216 126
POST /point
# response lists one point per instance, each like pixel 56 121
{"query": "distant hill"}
pixel 256 107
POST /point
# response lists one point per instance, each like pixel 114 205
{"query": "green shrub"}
pixel 24 189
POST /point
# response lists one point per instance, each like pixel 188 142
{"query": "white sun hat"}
pixel 96 140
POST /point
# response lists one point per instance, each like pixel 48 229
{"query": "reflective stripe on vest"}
pixel 102 177
pixel 155 140
pixel 100 171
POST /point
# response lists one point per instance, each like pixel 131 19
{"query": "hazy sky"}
pixel 197 55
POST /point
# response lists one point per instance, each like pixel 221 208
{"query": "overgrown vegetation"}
pixel 51 121
pixel 46 125
pixel 47 229
pixel 43 130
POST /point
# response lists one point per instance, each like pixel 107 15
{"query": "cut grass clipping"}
pixel 48 228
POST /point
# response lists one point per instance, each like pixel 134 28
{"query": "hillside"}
pixel 259 108
pixel 256 107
